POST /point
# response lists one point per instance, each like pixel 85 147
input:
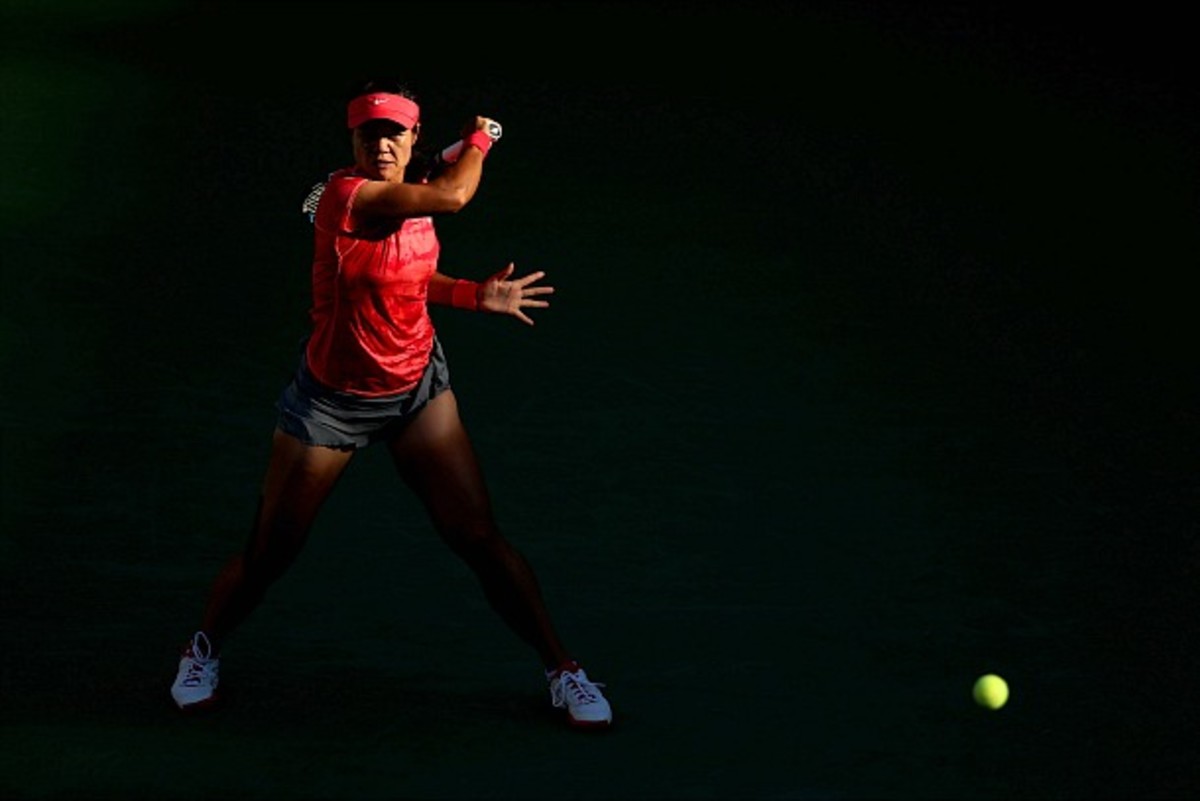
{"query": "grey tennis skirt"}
pixel 318 415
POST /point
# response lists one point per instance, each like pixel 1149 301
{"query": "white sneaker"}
pixel 196 682
pixel 571 689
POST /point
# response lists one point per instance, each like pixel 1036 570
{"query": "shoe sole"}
pixel 198 706
pixel 589 725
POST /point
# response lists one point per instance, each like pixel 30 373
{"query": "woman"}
pixel 372 371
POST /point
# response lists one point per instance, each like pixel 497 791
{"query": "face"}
pixel 382 149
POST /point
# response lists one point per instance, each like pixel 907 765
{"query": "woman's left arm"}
pixel 497 294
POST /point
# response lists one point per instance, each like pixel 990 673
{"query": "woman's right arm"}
pixel 447 193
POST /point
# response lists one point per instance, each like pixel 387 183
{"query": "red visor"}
pixel 382 106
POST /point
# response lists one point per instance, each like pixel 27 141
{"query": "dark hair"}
pixel 393 86
pixel 424 157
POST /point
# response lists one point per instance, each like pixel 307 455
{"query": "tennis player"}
pixel 372 371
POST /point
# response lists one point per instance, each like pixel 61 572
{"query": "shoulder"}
pixel 336 198
pixel 343 184
pixel 346 177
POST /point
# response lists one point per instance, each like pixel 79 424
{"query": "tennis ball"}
pixel 991 691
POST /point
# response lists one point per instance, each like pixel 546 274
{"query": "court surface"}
pixel 870 370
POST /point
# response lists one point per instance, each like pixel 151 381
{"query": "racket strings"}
pixel 309 206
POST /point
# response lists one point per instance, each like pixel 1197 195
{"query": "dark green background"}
pixel 870 369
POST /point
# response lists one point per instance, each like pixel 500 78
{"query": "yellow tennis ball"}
pixel 991 691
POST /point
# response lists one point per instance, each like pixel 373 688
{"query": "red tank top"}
pixel 371 330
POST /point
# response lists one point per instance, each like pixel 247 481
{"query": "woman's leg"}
pixel 299 478
pixel 434 457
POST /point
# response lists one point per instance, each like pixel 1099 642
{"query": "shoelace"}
pixel 200 662
pixel 198 672
pixel 583 689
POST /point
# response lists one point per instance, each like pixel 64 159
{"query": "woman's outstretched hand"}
pixel 499 295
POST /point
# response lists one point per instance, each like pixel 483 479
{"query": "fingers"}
pixel 529 279
pixel 517 294
pixel 531 293
pixel 525 302
pixel 505 273
pixel 523 282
